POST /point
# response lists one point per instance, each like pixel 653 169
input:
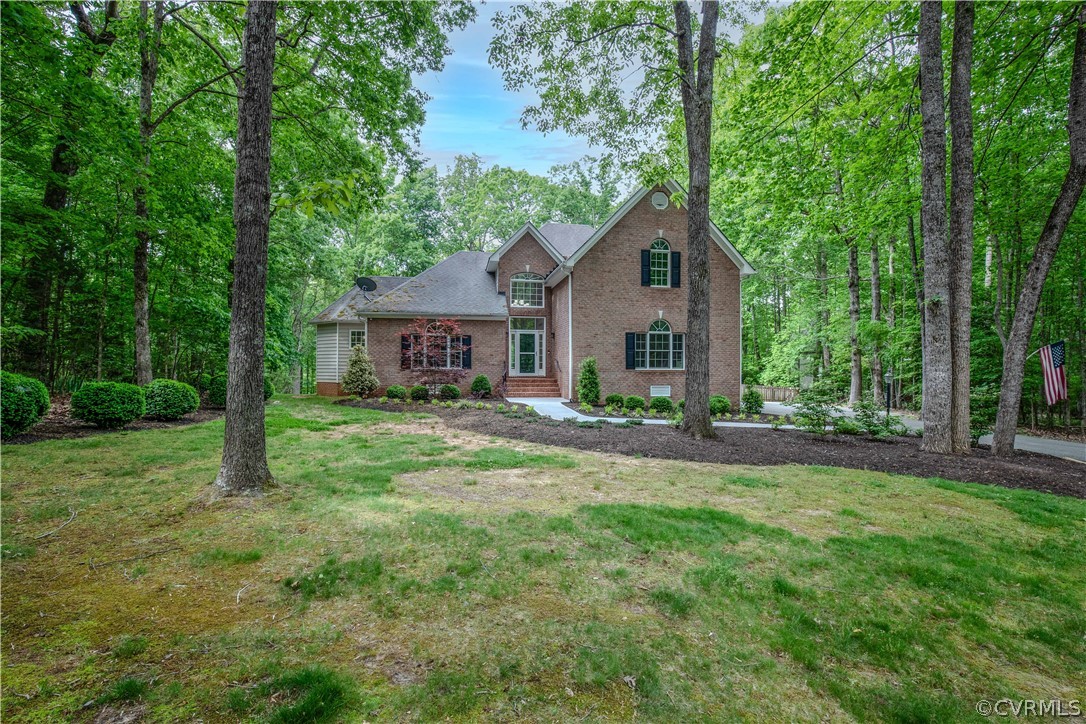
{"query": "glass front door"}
pixel 526 346
pixel 526 352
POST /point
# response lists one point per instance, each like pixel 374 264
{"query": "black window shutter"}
pixel 645 267
pixel 405 352
pixel 465 345
pixel 631 341
pixel 676 267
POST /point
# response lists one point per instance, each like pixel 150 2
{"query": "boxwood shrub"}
pixel 633 402
pixel 170 399
pixel 481 387
pixel 396 392
pixel 719 405
pixel 23 402
pixel 614 400
pixel 216 391
pixel 662 405
pixel 108 404
pixel 420 393
pixel 450 392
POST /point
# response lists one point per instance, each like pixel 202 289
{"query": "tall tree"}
pixel 244 469
pixel 1014 351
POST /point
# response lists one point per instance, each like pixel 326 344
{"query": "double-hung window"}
pixel 526 290
pixel 660 264
pixel 358 338
pixel 657 349
pixel 436 349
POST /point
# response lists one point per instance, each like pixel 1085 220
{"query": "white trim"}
pixel 339 377
pixel 569 341
pixel 667 254
pixel 745 269
pixel 529 228
pixel 540 351
pixel 542 289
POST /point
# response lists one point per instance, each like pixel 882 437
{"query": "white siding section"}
pixel 345 345
pixel 326 353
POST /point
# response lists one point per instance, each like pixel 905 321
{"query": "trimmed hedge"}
pixel 420 393
pixel 23 402
pixel 614 400
pixel 170 399
pixel 481 386
pixel 108 404
pixel 633 402
pixel 661 404
pixel 396 392
pixel 450 392
pixel 719 405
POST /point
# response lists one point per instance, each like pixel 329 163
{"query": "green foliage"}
pixel 588 381
pixel 108 404
pixel 614 400
pixel 983 405
pixel 334 578
pixel 312 694
pixel 634 402
pixel 449 392
pixel 130 646
pixel 480 386
pixel 752 403
pixel 170 399
pixel 662 405
pixel 846 426
pixel 361 376
pixel 719 405
pixel 815 408
pixel 420 393
pixel 269 390
pixel 216 391
pixel 23 402
pixel 396 392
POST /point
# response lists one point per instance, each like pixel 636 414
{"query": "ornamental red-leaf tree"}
pixel 435 352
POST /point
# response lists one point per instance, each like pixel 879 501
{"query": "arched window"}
pixel 660 264
pixel 658 349
pixel 526 290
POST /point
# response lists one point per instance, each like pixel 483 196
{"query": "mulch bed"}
pixel 738 446
pixel 598 411
pixel 57 425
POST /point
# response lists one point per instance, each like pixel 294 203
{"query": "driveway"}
pixel 554 408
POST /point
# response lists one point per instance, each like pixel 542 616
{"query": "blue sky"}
pixel 472 112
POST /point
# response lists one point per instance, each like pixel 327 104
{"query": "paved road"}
pixel 554 408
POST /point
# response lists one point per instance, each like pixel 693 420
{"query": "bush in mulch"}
pixel 108 404
pixel 23 402
pixel 170 399
pixel 480 386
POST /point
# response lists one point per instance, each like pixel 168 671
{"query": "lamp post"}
pixel 888 378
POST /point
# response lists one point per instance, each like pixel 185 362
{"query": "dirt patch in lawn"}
pixel 59 425
pixel 739 446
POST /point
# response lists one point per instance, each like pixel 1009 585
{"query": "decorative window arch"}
pixel 526 291
pixel 657 349
pixel 660 264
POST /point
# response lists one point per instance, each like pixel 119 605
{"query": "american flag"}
pixel 1055 373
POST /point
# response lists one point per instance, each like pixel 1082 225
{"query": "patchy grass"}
pixel 403 570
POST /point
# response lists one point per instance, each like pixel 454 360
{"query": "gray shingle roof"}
pixel 456 287
pixel 346 307
pixel 566 238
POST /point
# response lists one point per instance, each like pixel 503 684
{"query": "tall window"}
pixel 660 264
pixel 437 349
pixel 659 349
pixel 358 338
pixel 526 290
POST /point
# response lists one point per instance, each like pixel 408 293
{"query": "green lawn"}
pixel 404 570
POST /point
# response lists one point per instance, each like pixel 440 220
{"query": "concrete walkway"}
pixel 554 408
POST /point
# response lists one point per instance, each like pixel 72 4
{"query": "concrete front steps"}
pixel 532 387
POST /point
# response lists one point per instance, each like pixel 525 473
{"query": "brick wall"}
pixel 559 336
pixel 608 301
pixel 527 255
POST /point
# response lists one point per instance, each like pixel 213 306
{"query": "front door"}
pixel 526 354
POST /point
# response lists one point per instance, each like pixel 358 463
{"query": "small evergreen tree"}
pixel 588 381
pixel 361 376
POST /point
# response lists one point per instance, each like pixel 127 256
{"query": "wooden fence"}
pixel 774 394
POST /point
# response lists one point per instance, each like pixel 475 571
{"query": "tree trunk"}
pixel 876 317
pixel 936 384
pixel 961 220
pixel 697 98
pixel 244 468
pixel 1014 352
pixel 856 380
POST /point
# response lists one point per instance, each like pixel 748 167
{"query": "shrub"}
pixel 815 408
pixel 108 404
pixel 216 391
pixel 983 406
pixel 868 418
pixel 420 393
pixel 614 400
pixel 396 392
pixel 481 387
pixel 203 381
pixel 23 401
pixel 681 405
pixel 634 402
pixel 588 381
pixel 450 392
pixel 719 405
pixel 170 399
pixel 845 426
pixel 752 402
pixel 662 405
pixel 268 389
pixel 361 376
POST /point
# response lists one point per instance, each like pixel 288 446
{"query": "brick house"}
pixel 546 299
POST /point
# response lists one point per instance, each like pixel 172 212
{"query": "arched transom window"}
pixel 657 349
pixel 526 290
pixel 660 264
